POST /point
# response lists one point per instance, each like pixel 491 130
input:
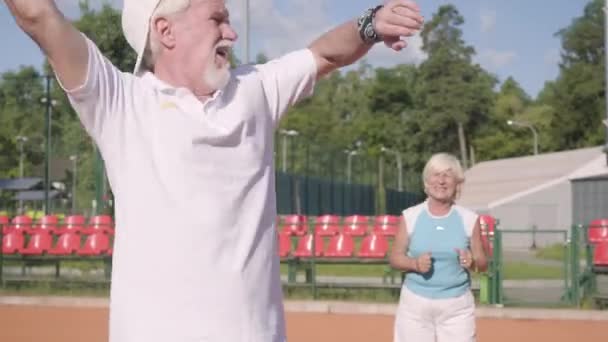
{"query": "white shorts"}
pixel 421 319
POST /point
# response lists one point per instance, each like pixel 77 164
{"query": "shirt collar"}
pixel 171 90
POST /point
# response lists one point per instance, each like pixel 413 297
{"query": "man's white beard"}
pixel 216 77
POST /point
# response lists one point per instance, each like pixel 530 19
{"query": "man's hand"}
pixel 63 45
pixel 28 13
pixel 397 19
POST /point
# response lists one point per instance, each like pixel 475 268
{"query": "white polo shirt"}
pixel 195 251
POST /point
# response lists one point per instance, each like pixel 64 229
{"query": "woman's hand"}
pixel 423 263
pixel 465 257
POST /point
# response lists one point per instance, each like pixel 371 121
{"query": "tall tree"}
pixel 578 94
pixel 453 94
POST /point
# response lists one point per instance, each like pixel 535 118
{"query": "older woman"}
pixel 438 244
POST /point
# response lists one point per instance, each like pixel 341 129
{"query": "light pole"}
pixel 606 77
pixel 74 159
pixel 399 166
pixel 286 134
pixel 47 160
pixel 21 140
pixel 349 163
pixel 527 125
pixel 246 21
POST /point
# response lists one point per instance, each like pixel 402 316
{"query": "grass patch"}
pixel 353 270
pixel 84 266
pixel 512 271
pixel 359 295
pixel 524 271
pixel 556 252
pixel 45 288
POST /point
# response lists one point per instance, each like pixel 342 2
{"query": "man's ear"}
pixel 163 29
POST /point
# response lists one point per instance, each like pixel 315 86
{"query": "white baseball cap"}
pixel 136 16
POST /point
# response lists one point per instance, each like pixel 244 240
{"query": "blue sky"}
pixel 512 38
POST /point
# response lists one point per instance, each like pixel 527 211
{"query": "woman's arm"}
pixel 399 259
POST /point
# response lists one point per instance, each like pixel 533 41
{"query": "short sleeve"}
pixel 287 80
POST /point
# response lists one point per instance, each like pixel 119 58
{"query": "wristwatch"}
pixel 365 25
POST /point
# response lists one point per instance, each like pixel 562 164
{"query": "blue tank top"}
pixel 439 235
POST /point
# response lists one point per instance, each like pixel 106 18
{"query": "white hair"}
pixel 441 162
pixel 165 8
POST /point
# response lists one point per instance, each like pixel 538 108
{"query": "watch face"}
pixel 366 27
pixel 369 31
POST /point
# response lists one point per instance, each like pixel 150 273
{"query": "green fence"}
pixel 526 276
pixel 314 196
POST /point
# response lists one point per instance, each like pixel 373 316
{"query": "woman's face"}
pixel 441 185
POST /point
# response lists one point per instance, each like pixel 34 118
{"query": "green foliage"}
pixel 578 94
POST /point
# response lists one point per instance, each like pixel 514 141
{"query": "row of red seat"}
pixel 600 254
pixel 597 236
pixel 598 231
pixel 329 225
pixel 76 224
pixel 373 246
pixel 42 243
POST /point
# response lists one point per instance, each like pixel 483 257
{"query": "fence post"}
pixel 574 264
pixel 491 272
pixel 313 265
pixel 499 265
pixel 566 266
pixel 1 257
pixel 590 279
pixel 534 228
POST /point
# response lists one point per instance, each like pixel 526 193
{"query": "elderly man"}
pixel 188 146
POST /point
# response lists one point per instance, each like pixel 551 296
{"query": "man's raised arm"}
pixel 61 42
pixel 347 43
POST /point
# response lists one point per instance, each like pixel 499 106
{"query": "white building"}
pixel 532 192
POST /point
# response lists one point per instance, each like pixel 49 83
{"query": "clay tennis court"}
pixel 73 324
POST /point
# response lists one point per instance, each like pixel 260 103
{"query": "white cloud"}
pixel 275 32
pixel 381 55
pixel 496 59
pixel 488 20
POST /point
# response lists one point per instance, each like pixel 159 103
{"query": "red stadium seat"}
pixel 487 224
pixel 95 244
pixel 73 224
pixel 39 244
pixel 386 225
pixel 4 221
pixel 355 225
pixel 374 246
pixel 600 254
pixel 48 223
pixel 12 243
pixel 340 246
pixel 327 225
pixel 284 245
pixel 67 244
pixel 598 231
pixel 304 248
pixel 101 224
pixel 21 224
pixel 295 225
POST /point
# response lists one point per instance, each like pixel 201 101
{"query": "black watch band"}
pixel 365 25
